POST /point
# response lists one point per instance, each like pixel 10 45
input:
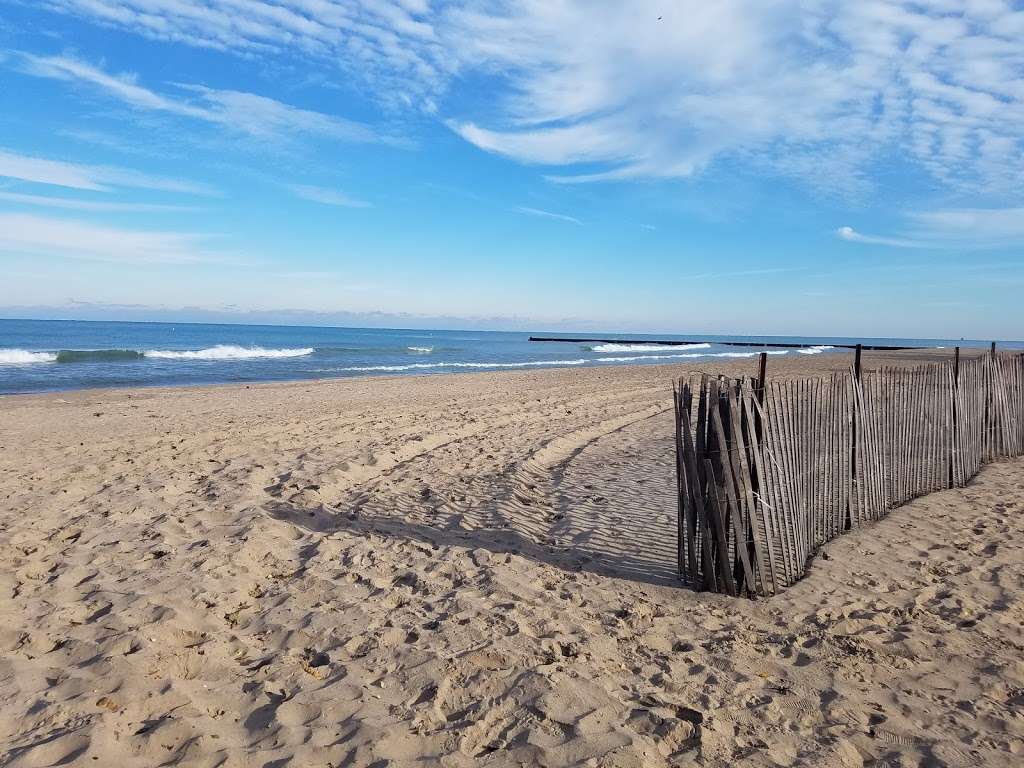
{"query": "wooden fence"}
pixel 768 472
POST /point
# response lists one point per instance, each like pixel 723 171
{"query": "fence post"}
pixel 676 399
pixel 759 385
pixel 762 366
pixel 853 439
pixel 954 442
pixel 990 406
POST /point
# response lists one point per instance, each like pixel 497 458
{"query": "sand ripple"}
pixel 468 571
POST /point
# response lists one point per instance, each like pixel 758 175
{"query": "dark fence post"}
pixel 954 443
pixel 676 399
pixel 853 438
pixel 759 385
pixel 762 367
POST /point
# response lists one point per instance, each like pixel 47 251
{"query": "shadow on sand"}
pixel 609 509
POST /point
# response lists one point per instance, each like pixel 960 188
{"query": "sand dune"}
pixel 466 570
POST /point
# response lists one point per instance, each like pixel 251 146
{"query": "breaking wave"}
pixel 420 350
pixel 817 349
pixel 219 352
pixel 227 352
pixel 24 357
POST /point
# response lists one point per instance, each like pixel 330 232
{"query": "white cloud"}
pixel 123 87
pixel 995 226
pixel 548 215
pixel 42 171
pixel 264 117
pixel 823 90
pixel 390 43
pixel 554 146
pixel 96 178
pixel 46 236
pixel 853 236
pixel 326 196
pixel 817 89
pixel 963 228
pixel 236 111
pixel 98 206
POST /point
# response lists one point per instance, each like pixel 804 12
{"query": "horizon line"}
pixel 718 335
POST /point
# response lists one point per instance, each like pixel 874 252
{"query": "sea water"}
pixel 47 355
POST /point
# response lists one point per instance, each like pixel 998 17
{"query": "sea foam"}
pixel 749 354
pixel 227 352
pixel 25 357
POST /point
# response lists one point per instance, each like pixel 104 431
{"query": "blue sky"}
pixel 790 167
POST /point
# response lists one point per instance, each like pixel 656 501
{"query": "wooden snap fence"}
pixel 767 472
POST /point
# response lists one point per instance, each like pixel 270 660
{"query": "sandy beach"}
pixel 463 570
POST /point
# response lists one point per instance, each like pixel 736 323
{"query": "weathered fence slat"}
pixel 764 524
pixel 766 473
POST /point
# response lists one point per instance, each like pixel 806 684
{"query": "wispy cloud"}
pixel 261 116
pixel 988 226
pixel 95 178
pixel 963 228
pixel 98 206
pixel 326 196
pixel 47 236
pixel 853 236
pixel 119 144
pixel 122 87
pixel 234 111
pixel 42 171
pixel 548 215
pixel 797 87
pixel 816 89
pixel 391 44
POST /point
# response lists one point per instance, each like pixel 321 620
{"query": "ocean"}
pixel 53 355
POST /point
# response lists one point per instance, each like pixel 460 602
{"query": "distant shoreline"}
pixel 63 356
pixel 781 367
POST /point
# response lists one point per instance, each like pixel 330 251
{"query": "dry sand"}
pixel 466 570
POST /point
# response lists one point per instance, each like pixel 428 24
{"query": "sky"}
pixel 810 167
